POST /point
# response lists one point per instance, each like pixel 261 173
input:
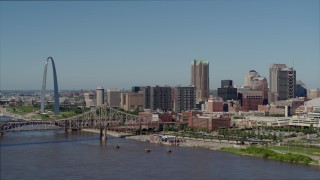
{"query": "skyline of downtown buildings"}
pixel 200 79
pixel 252 81
pixel 179 98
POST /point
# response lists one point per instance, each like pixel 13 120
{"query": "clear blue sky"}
pixel 121 44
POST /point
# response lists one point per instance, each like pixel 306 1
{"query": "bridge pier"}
pixel 103 134
pixel 68 130
pixel 1 134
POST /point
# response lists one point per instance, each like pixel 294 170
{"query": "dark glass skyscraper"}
pixel 227 91
pixel 226 83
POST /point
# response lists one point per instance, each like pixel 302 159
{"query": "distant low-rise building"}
pixel 186 115
pixel 313 93
pixel 145 116
pixel 166 117
pixel 254 122
pixel 233 106
pixel 286 107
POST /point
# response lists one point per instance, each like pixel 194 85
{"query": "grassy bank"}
pixel 269 154
pixel 285 149
pixel 21 110
pixel 65 112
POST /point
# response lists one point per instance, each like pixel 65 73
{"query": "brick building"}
pixel 214 105
pixel 250 100
pixel 185 116
pixel 210 123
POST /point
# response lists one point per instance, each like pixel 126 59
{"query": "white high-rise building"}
pixel 249 77
pixel 100 96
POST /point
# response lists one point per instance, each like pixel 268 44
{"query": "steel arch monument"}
pixel 55 84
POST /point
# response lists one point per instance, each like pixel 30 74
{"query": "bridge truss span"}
pixel 102 117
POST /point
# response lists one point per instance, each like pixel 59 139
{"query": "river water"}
pixel 80 155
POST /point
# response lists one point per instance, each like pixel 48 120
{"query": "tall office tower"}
pixel 226 83
pixel 113 97
pixel 282 82
pixel 200 79
pixel 100 96
pixel 248 79
pixel 184 98
pixel 227 92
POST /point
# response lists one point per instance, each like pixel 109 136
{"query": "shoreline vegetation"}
pixel 269 154
pixel 225 146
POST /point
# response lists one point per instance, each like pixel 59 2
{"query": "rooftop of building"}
pixel 113 90
pixel 313 102
pixel 259 78
pixel 180 86
pixel 288 69
pixel 245 91
pixel 314 90
pixel 278 65
pixel 200 62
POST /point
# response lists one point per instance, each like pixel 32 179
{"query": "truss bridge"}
pixel 103 117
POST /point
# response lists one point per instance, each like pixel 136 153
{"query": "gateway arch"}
pixel 55 84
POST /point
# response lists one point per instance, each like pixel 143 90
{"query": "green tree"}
pixel 274 136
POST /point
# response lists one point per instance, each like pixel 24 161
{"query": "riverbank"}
pixel 110 133
pixel 183 141
pixel 273 155
pixel 223 145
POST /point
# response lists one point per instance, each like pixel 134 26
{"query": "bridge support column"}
pixel 1 134
pixel 103 134
pixel 67 130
